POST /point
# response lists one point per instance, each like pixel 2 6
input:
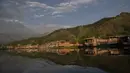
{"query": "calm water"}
pixel 18 64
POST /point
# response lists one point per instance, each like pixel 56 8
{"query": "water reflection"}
pixel 18 64
pixel 106 51
pixel 94 51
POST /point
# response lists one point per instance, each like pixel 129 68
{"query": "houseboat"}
pixel 112 41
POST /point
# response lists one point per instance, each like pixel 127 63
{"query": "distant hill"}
pixel 12 30
pixel 112 26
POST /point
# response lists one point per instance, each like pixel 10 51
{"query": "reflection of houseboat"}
pixel 125 50
pixel 114 51
pixel 102 51
pixel 89 52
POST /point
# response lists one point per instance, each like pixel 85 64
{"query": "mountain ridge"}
pixel 112 26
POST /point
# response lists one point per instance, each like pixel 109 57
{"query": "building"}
pixel 65 44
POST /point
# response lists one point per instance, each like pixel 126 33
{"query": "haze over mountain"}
pixel 12 30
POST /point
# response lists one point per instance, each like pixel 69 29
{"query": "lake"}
pixel 20 64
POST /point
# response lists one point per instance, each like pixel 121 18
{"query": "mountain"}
pixel 112 26
pixel 12 30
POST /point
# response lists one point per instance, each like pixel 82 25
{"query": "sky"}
pixel 64 13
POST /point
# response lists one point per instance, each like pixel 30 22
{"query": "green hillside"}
pixel 112 26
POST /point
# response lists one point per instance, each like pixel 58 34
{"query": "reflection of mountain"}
pixel 11 30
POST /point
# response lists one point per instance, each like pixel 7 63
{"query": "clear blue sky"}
pixel 62 12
